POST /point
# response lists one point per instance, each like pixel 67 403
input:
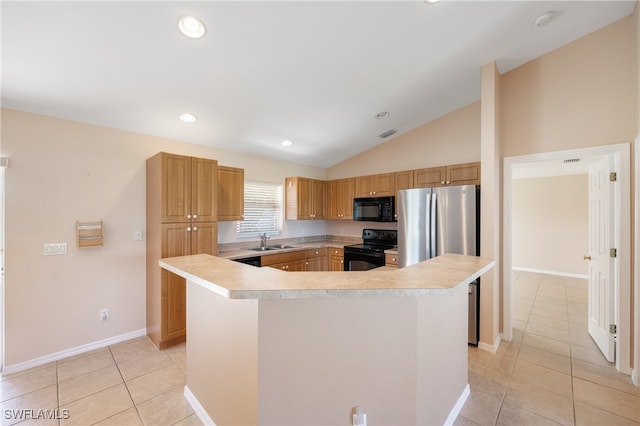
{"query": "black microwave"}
pixel 374 209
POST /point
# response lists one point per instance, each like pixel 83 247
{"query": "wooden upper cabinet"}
pixel 464 174
pixel 188 190
pixel 340 198
pixel 176 188
pixel 432 176
pixel 319 199
pixel 456 174
pixel 304 198
pixel 403 180
pixel 375 185
pixel 204 178
pixel 230 193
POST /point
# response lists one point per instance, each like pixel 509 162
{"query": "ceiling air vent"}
pixel 388 133
pixel 572 160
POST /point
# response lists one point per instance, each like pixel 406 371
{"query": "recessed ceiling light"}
pixel 544 19
pixel 191 26
pixel 188 118
pixel 286 143
pixel 381 115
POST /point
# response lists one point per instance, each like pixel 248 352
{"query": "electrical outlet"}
pixel 104 314
pixel 138 235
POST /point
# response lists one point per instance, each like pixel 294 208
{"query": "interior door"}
pixel 601 310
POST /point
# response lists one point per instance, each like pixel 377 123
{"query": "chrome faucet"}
pixel 263 240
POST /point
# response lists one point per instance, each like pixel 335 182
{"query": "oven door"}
pixel 362 261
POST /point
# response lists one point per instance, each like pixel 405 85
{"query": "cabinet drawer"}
pixel 333 251
pixel 310 253
pixel 291 256
pixel 391 260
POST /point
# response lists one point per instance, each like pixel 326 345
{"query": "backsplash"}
pixel 295 240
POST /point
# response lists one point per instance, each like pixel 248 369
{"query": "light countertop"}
pixel 438 276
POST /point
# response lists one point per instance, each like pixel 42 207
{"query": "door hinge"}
pixel 613 252
pixel 613 176
pixel 613 329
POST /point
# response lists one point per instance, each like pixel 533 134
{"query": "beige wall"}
pixel 328 356
pixel 550 224
pixel 453 138
pixel 63 171
pixel 580 95
pixel 490 206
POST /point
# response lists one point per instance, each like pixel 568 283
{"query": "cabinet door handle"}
pixel 188 216
pixel 195 228
pixel 195 216
pixel 188 229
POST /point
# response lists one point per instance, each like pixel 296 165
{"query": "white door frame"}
pixel 622 240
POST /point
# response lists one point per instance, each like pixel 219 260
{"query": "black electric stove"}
pixel 370 254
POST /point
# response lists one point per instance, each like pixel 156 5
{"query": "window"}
pixel 262 209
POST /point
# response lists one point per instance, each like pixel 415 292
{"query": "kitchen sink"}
pixel 273 247
pixel 280 246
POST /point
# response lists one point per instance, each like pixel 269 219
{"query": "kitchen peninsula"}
pixel 273 347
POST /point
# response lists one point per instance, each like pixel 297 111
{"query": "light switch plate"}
pixel 54 249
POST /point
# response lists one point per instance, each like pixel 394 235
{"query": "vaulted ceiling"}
pixel 315 73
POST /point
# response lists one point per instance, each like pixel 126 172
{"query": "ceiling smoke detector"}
pixel 544 19
pixel 388 133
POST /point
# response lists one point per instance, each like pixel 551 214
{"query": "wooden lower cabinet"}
pixel 174 309
pixel 293 266
pixel 336 259
pixel 316 259
pixel 299 260
pixel 391 260
pixel 167 324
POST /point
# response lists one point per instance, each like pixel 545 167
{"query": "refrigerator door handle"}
pixel 432 225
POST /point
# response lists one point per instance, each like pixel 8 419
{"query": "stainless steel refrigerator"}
pixel 434 221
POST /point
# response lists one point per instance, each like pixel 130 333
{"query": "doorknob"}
pixel 586 258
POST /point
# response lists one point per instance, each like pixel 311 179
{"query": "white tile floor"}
pixel 127 384
pixel 551 373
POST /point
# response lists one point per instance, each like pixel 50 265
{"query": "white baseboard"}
pixel 634 377
pixel 491 348
pixel 14 368
pixel 544 271
pixel 197 407
pixel 453 415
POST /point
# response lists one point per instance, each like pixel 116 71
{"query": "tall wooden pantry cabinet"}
pixel 181 220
